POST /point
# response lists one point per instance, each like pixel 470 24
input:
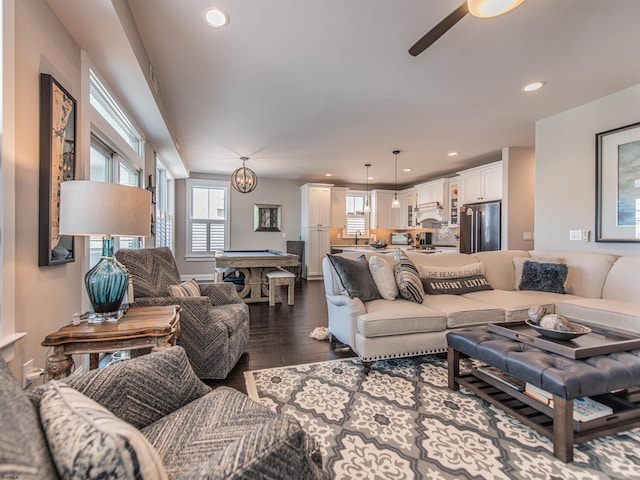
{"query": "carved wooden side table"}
pixel 139 327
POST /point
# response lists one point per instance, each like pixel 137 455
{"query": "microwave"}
pixel 400 239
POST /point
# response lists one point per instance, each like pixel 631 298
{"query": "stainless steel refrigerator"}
pixel 480 227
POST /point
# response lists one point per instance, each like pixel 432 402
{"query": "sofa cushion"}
pixel 623 280
pixel 602 313
pixel 407 278
pixel 515 304
pixel 498 267
pixel 384 278
pixel 190 288
pixel 399 317
pixel 461 311
pixel 23 448
pixel 355 277
pixel 87 441
pixel 544 277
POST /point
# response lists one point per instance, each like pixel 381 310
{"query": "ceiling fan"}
pixel 477 8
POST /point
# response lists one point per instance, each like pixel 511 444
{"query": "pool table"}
pixel 254 265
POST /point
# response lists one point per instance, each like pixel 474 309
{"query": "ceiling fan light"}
pixel 491 8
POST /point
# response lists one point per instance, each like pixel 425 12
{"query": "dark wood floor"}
pixel 280 335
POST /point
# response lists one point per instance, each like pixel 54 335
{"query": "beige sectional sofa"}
pixel 601 289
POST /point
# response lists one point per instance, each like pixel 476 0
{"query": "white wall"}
pixel 242 236
pixel 565 171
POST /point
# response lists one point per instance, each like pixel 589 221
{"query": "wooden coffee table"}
pixel 140 327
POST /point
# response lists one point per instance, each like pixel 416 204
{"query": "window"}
pixel 207 207
pixel 164 207
pixel 357 219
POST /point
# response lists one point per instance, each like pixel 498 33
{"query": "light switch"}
pixel 575 235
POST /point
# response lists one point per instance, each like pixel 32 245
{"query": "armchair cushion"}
pixel 152 270
pixel 87 441
pixel 190 288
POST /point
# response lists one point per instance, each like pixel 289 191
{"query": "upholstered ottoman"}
pixel 565 378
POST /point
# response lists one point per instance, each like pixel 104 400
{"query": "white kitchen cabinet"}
pixel 453 201
pixel 339 207
pixel 412 196
pixel 317 245
pixel 381 211
pixel 316 205
pixel 431 192
pixel 481 184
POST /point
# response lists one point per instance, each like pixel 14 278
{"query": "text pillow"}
pixel 432 271
pixel 544 277
pixel 355 277
pixel 455 286
pixel 88 441
pixel 407 278
pixel 185 289
pixel 384 278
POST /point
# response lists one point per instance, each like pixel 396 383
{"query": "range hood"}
pixel 428 211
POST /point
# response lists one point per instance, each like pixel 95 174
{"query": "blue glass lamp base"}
pixel 107 283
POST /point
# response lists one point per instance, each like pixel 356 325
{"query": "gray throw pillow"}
pixel 355 277
pixel 544 277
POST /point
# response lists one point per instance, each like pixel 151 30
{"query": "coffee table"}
pixel 139 327
pixel 566 378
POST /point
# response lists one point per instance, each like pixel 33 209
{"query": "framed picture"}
pixel 57 165
pixel 267 218
pixel 618 185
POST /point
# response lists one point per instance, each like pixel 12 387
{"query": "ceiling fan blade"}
pixel 440 29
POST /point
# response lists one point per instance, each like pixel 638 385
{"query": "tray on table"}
pixel 598 342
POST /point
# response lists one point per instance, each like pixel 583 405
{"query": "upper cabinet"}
pixel 339 207
pixel 381 211
pixel 316 205
pixel 481 184
pixel 430 192
pixel 453 204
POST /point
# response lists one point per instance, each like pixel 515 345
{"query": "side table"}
pixel 139 327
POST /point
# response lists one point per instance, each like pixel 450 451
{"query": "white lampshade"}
pixel 101 209
pixel 491 8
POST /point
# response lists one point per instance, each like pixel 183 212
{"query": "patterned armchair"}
pixel 214 327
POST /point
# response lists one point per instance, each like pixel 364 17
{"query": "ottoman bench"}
pixel 565 378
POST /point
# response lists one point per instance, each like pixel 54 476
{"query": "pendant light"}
pixel 396 202
pixel 244 180
pixel 491 8
pixel 367 208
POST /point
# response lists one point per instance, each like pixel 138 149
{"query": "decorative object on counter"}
pixel 367 208
pixel 536 312
pixel 396 202
pixel 107 209
pixel 244 180
pixel 380 244
pixel 57 165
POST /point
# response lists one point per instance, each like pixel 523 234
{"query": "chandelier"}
pixel 244 180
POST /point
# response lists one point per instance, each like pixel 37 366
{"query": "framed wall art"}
pixel 618 185
pixel 267 218
pixel 57 165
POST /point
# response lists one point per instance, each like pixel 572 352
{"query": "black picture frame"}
pixel 617 185
pixel 57 164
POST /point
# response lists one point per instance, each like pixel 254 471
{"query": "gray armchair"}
pixel 193 432
pixel 214 327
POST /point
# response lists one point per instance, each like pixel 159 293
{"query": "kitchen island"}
pixel 392 249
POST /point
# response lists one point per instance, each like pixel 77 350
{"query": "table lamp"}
pixel 108 210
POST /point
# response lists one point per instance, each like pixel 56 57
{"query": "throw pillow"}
pixel 518 262
pixel 355 277
pixel 385 280
pixel 429 271
pixel 189 288
pixel 407 278
pixel 455 286
pixel 544 277
pixel 87 441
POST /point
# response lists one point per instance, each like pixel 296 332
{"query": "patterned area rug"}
pixel 402 422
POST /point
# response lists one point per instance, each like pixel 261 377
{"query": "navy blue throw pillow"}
pixel 544 277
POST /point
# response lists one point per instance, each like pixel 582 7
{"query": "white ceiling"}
pixel 309 87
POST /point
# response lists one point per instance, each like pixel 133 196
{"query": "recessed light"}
pixel 532 87
pixel 328 174
pixel 216 17
pixel 406 170
pixel 452 154
pixel 369 178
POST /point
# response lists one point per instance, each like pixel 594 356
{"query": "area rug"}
pixel 402 422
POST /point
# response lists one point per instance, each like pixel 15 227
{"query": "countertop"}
pixel 391 249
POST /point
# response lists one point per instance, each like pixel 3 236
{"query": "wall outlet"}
pixel 527 235
pixel 26 369
pixel 575 235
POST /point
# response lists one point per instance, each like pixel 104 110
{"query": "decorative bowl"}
pixel 578 330
pixel 378 245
